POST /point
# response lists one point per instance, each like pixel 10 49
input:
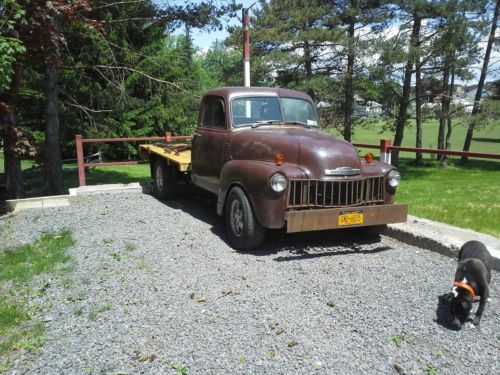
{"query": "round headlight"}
pixel 393 178
pixel 278 182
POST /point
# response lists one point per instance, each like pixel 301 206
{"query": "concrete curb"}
pixel 133 187
pixel 442 238
pixel 38 202
pixel 65 200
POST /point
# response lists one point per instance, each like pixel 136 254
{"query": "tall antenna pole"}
pixel 246 44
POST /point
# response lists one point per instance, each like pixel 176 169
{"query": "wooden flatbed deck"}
pixel 178 154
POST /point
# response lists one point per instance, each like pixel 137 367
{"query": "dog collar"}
pixel 466 287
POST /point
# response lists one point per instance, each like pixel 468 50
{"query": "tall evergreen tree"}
pixel 291 37
pixel 482 78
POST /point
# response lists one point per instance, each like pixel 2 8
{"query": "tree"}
pixel 457 43
pixel 362 22
pixel 400 54
pixel 276 44
pixel 37 26
pixel 95 75
pixel 223 64
pixel 290 37
pixel 482 78
pixel 405 97
pixel 10 46
pixel 13 138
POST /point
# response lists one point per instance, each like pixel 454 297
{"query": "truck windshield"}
pixel 273 110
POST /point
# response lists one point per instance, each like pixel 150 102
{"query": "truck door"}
pixel 208 141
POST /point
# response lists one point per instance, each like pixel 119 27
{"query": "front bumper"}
pixel 328 218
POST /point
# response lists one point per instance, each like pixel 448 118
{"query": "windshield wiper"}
pixel 266 122
pixel 298 123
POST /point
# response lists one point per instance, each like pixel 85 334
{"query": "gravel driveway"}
pixel 156 289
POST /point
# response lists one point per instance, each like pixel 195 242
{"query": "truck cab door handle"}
pixel 196 135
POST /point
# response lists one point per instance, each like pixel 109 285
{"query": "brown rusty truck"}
pixel 262 152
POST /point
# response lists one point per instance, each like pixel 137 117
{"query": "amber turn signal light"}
pixel 279 159
pixel 369 157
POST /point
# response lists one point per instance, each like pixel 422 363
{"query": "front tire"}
pixel 243 230
pixel 164 180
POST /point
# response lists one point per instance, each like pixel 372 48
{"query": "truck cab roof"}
pixel 229 93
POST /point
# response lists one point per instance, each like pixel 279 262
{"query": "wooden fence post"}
pixel 79 159
pixel 385 153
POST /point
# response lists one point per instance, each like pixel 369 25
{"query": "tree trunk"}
pixel 53 163
pixel 52 166
pixel 418 105
pixel 445 102
pixel 308 69
pixel 444 160
pixel 349 90
pixel 484 70
pixel 14 188
pixel 405 97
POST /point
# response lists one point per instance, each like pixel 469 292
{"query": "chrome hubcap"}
pixel 236 218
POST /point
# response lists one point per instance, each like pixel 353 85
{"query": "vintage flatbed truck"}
pixel 262 152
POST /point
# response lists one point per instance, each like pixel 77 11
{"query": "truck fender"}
pixel 253 177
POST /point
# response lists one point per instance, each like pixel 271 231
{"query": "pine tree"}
pixel 482 78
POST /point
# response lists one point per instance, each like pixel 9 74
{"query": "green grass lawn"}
pixel 486 139
pixel 463 197
pixel 25 164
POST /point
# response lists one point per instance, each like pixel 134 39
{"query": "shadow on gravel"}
pixel 199 204
pixel 202 206
pixel 306 255
pixel 310 245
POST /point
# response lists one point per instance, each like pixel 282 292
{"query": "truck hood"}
pixel 314 151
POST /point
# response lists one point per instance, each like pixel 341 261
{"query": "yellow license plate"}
pixel 350 218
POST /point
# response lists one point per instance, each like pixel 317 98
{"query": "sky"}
pixel 204 39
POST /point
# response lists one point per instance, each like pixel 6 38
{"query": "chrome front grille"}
pixel 336 193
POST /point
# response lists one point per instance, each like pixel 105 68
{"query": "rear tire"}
pixel 164 180
pixel 243 230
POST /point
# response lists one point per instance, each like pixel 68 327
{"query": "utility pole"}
pixel 246 44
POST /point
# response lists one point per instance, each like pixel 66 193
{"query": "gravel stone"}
pixel 156 286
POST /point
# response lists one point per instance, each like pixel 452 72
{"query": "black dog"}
pixel 473 277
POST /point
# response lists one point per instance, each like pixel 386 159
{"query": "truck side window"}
pixel 213 113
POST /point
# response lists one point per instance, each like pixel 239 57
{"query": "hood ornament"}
pixel 342 171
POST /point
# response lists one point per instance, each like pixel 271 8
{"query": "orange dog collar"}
pixel 466 287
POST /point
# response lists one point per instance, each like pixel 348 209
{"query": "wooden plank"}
pixel 182 159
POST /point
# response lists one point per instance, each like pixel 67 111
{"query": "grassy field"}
pixel 466 197
pixel 484 140
pixel 463 197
